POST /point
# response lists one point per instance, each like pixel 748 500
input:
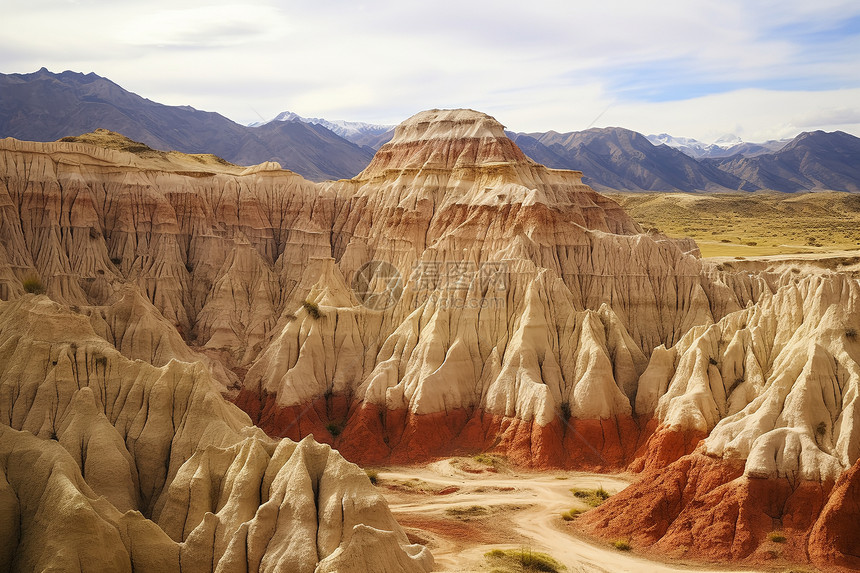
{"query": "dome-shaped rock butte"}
pixel 454 297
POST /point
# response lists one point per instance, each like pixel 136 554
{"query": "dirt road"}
pixel 463 509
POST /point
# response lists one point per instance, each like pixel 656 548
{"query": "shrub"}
pixel 373 476
pixel 591 497
pixel 334 429
pixel 33 285
pixel 471 511
pixel 313 309
pixel 851 333
pixel 572 514
pixel 712 361
pixel 776 537
pixel 621 545
pixel 821 428
pixel 524 560
pixel 116 260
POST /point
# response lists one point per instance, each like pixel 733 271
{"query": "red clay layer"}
pixel 835 538
pixel 705 508
pixel 685 504
pixel 368 434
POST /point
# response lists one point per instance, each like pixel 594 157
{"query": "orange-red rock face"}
pixel 369 435
pixel 835 539
pixel 665 445
pixel 705 508
pixel 645 350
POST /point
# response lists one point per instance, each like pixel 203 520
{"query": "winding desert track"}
pixel 529 503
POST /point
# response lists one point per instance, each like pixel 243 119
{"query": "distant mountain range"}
pixel 617 158
pixel 45 106
pixel 726 146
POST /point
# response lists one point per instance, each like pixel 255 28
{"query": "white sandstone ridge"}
pixel 228 258
pixel 216 252
pixel 441 358
pixel 776 384
pixel 451 187
pixel 117 465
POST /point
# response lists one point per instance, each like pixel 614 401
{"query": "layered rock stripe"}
pixel 602 348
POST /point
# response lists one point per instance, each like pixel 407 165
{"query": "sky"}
pixel 703 69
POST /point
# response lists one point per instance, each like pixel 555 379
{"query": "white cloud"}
pixel 727 66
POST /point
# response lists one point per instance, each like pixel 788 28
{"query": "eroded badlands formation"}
pixel 111 464
pixel 529 316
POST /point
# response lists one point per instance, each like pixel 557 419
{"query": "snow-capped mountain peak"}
pixel 346 129
pixel 725 146
pixel 687 145
pixel 728 140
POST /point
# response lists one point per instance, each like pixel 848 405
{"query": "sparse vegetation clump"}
pixel 471 511
pixel 372 475
pixel 33 285
pixel 313 309
pixel 505 560
pixel 851 333
pixel 572 514
pixel 621 545
pixel 334 429
pixel 776 537
pixel 486 459
pixel 591 497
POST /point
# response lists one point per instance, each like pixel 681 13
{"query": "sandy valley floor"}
pixel 463 508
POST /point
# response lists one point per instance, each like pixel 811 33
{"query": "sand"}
pixel 463 508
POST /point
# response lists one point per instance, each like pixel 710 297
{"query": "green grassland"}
pixel 751 224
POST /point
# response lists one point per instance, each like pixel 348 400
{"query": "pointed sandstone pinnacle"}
pixel 230 257
pixel 776 390
pixel 118 465
pixel 584 298
pixel 532 317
